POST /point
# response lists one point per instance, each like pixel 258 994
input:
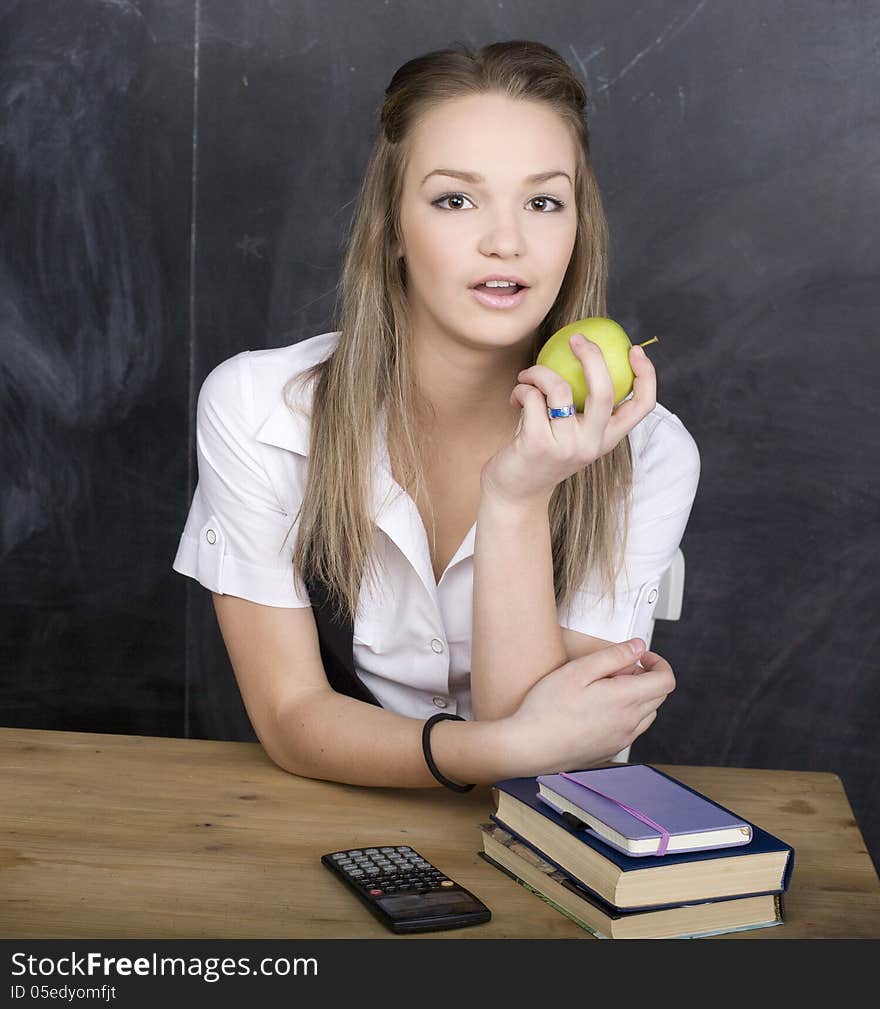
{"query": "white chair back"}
pixel 671 593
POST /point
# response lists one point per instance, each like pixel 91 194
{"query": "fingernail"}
pixel 577 340
pixel 639 350
pixel 636 645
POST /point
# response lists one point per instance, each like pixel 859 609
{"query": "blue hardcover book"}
pixel 682 921
pixel 764 865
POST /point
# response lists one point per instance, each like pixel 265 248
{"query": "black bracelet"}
pixel 426 749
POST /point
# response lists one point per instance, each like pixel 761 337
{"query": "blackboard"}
pixel 176 181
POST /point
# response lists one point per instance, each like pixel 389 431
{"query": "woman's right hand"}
pixel 588 710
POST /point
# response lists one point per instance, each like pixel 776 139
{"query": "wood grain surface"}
pixel 112 836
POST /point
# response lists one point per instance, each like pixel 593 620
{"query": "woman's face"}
pixel 456 232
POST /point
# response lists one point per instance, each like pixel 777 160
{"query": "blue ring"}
pixel 563 411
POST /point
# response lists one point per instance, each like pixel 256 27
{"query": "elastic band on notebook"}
pixel 664 833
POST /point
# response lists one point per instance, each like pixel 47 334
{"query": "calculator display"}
pixel 406 906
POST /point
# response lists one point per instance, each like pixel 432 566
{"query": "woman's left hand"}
pixel 545 451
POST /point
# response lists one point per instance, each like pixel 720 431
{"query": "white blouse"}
pixel 412 637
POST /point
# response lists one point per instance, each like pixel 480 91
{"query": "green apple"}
pixel 609 337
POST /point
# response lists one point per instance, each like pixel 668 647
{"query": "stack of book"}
pixel 628 852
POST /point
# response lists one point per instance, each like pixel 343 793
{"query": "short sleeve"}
pixel 665 479
pixel 238 538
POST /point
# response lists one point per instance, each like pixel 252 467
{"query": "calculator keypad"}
pixel 381 871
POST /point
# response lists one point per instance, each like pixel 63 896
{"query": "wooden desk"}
pixel 108 836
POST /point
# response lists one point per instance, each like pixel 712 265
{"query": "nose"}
pixel 503 236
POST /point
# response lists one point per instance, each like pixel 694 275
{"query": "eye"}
pixel 557 204
pixel 449 196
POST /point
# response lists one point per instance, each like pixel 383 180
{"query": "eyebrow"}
pixel 474 178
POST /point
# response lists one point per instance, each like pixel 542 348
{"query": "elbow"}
pixel 288 759
pixel 280 754
pixel 481 708
pixel 287 740
pixel 485 711
pixel 283 759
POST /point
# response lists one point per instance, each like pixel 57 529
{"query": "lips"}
pixel 487 297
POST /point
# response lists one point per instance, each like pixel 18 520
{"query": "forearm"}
pixel 337 738
pixel 516 634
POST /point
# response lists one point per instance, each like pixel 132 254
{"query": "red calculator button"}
pixel 376 893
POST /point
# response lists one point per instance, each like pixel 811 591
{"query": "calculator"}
pixel 404 890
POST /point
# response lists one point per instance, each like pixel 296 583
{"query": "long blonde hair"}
pixel 372 363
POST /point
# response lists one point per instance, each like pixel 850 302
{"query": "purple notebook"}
pixel 639 810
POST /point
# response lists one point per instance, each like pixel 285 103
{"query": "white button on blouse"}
pixel 252 452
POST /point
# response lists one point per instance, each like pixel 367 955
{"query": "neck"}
pixel 467 387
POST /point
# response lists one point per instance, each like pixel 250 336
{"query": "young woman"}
pixel 521 544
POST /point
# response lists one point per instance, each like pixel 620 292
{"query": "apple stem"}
pixel 648 343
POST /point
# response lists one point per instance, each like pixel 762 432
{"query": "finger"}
pixel 644 724
pixel 557 394
pixel 650 687
pixel 534 420
pixel 556 390
pixel 608 660
pixel 648 708
pixel 640 403
pixel 630 670
pixel 643 368
pixel 600 388
pixel 643 399
pixel 654 663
